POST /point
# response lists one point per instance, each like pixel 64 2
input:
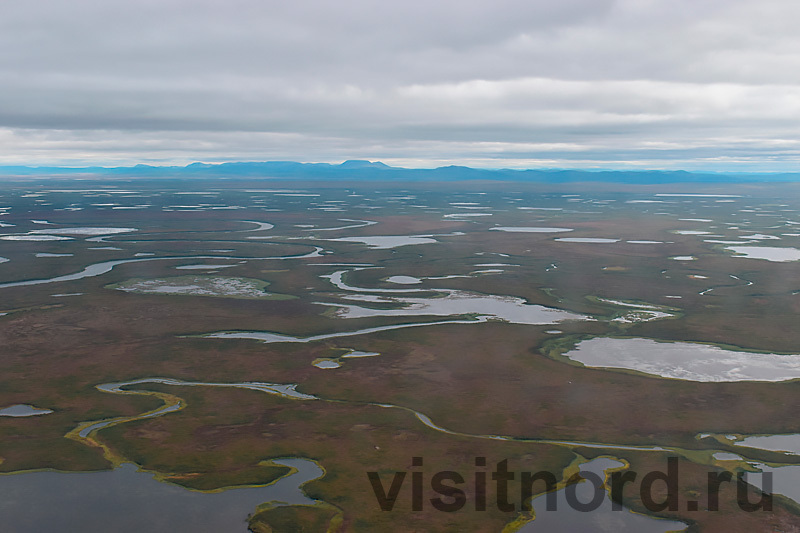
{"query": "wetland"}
pixel 214 357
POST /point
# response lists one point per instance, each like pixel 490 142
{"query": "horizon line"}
pixel 364 164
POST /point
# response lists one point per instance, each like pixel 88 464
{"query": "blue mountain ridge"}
pixel 367 170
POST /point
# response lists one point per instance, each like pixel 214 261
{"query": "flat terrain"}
pixel 365 324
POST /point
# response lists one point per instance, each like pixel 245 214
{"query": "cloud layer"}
pixel 515 83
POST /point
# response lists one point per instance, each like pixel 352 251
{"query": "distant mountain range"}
pixel 367 170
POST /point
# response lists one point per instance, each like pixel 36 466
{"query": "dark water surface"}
pixel 124 500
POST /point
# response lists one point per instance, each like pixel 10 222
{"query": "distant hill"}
pixel 368 170
pixel 360 163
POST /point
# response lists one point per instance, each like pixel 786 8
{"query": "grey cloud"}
pixel 416 81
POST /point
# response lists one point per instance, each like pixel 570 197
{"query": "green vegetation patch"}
pixel 296 519
pixel 242 477
pixel 215 286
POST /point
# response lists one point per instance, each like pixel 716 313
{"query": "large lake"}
pixel 125 500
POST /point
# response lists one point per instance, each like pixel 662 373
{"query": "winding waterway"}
pixel 245 501
pixel 99 269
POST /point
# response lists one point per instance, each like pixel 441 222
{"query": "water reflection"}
pixel 685 360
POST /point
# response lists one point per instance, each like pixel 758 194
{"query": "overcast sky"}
pixel 692 84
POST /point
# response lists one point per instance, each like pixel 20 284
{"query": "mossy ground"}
pixel 484 379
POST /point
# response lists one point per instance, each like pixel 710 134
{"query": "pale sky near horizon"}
pixel 701 84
